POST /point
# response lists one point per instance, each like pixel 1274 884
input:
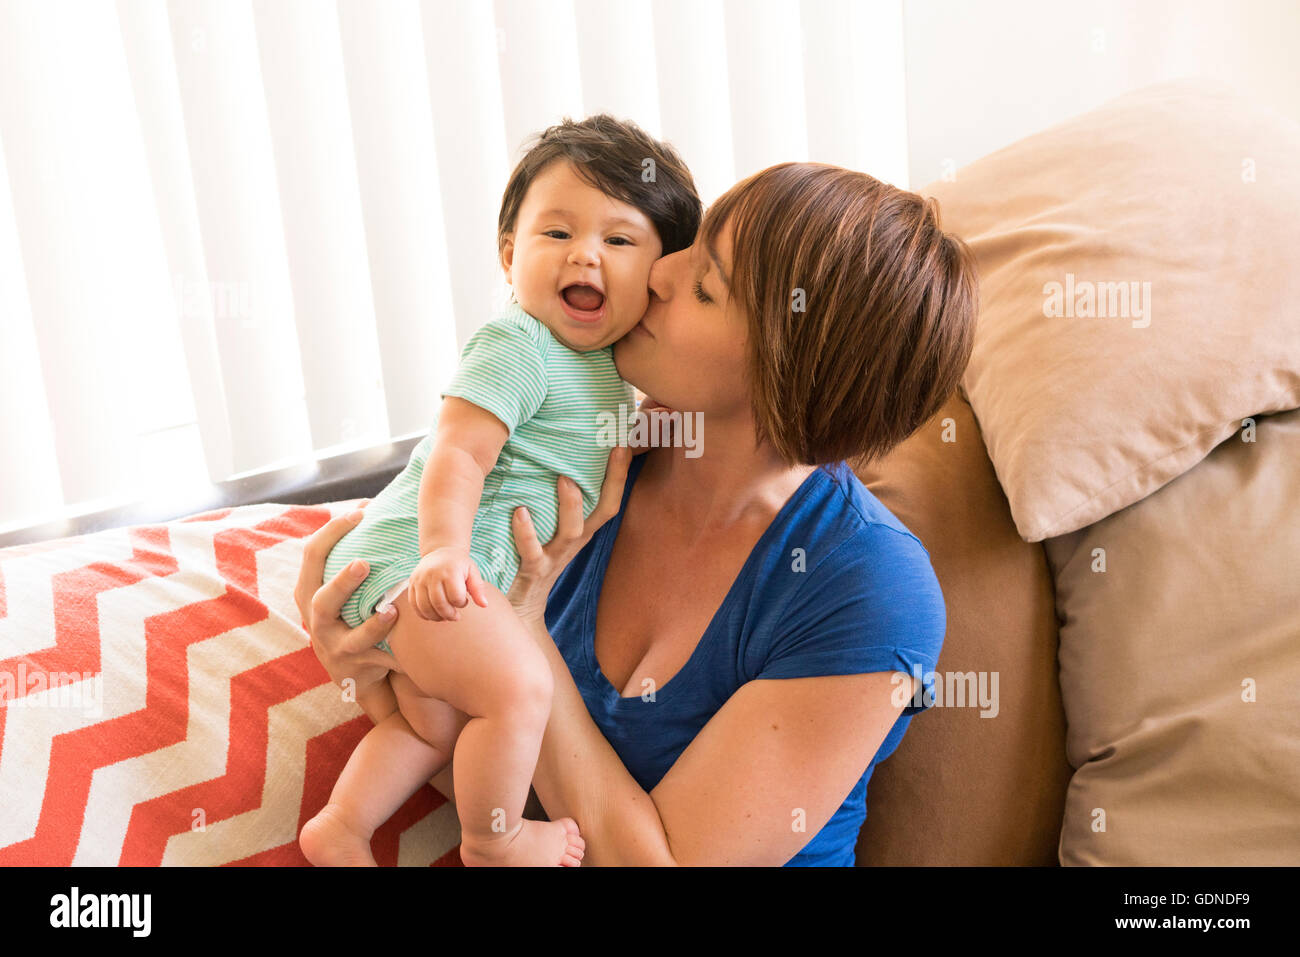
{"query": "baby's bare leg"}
pixel 393 761
pixel 488 666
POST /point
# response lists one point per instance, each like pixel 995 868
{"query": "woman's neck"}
pixel 728 482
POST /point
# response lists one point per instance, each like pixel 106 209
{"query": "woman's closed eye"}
pixel 700 294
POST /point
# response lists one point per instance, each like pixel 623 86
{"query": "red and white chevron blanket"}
pixel 160 702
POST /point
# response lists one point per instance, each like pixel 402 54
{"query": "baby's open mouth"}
pixel 583 298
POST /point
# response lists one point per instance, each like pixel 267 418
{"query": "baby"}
pixel 586 213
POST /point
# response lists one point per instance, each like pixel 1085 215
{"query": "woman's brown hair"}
pixel 861 308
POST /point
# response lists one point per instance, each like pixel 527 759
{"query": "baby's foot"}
pixel 532 844
pixel 327 841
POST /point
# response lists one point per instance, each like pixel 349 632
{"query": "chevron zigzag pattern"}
pixel 160 703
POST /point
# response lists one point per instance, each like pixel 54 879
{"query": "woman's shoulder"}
pixel 846 589
pixel 856 548
pixel 853 516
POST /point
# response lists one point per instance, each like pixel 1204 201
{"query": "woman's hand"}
pixel 343 652
pixel 649 406
pixel 539 567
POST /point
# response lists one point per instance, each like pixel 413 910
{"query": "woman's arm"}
pixel 754 786
pixel 579 775
pixel 757 783
pixel 773 765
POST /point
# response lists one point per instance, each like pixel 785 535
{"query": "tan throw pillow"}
pixel 972 785
pixel 1140 295
pixel 1180 665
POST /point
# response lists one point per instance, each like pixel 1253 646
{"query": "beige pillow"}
pixel 1161 653
pixel 1183 189
pixel 965 788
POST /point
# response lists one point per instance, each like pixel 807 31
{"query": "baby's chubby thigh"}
pixel 485 664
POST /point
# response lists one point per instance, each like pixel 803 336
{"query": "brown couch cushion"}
pixel 1195 605
pixel 1191 193
pixel 961 788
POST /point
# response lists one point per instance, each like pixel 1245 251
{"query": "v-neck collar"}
pixel 605 545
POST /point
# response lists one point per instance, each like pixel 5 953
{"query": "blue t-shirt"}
pixel 836 585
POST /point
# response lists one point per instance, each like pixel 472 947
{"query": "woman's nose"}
pixel 664 273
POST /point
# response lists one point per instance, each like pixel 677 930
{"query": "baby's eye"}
pixel 551 232
pixel 623 240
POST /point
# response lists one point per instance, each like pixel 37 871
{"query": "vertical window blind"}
pixel 238 235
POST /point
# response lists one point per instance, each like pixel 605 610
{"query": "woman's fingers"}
pixel 571 531
pixel 611 491
pixel 650 407
pixel 526 543
pixel 314 552
pixel 381 659
pixel 317 548
pixel 568 523
pixel 328 600
pixel 538 563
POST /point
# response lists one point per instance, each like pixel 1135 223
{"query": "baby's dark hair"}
pixel 611 154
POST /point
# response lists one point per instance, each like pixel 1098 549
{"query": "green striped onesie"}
pixel 554 401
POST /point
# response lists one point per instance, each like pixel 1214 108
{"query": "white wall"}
pixel 982 75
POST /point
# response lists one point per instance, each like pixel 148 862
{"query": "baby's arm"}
pixel 466 446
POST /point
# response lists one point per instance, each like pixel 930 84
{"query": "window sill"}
pixel 359 474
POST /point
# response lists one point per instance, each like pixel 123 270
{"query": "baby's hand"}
pixel 441 582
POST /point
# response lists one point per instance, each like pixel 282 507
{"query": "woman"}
pixel 735 636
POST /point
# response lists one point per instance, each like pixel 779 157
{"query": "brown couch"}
pixel 961 788
pixel 1109 501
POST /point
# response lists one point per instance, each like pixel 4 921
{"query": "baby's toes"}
pixel 575 846
pixel 572 855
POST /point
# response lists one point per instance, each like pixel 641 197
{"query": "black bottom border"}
pixel 968 905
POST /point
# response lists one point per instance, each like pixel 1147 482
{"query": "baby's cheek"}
pixel 636 302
